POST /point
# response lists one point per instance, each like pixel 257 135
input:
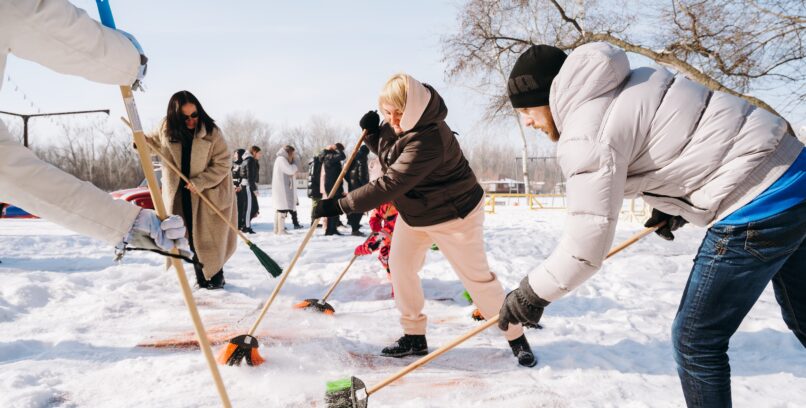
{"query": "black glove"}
pixel 523 306
pixel 672 223
pixel 370 122
pixel 327 207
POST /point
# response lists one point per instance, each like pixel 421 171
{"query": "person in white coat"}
pixel 695 155
pixel 283 190
pixel 64 38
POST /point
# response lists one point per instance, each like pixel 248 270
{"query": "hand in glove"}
pixel 370 122
pixel 375 223
pixel 672 223
pixel 150 233
pixel 327 207
pixel 523 306
pixel 141 72
pixel 369 246
pixel 383 255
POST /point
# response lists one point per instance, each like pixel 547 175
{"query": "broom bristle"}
pixel 226 353
pixel 338 394
pixel 271 267
pixel 303 304
pixel 255 359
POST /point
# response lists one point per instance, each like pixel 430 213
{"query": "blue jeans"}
pixel 732 268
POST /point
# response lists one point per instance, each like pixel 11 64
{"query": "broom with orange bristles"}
pixel 321 305
pixel 246 346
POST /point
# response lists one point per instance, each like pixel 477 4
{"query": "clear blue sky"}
pixel 282 61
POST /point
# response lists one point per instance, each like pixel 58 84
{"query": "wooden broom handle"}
pixel 308 236
pixel 206 200
pixel 333 286
pixel 492 321
pixel 336 282
pixel 159 207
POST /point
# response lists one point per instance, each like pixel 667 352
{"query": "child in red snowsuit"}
pixel 382 223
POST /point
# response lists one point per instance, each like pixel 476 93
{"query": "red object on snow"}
pixel 139 196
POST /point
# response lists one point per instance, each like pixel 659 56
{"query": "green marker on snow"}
pixel 467 297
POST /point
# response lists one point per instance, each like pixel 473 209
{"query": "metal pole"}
pixel 35 115
pixel 25 130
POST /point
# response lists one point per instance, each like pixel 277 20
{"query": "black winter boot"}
pixel 521 350
pixel 200 279
pixel 217 281
pixel 408 345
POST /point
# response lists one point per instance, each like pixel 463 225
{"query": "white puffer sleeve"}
pixel 65 39
pixel 56 196
pixel 596 175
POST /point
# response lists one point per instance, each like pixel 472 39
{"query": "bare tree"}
pixel 740 47
pixel 96 153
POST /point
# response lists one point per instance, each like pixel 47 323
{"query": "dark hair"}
pixel 340 147
pixel 175 119
pixel 289 148
pixel 239 153
pixel 254 149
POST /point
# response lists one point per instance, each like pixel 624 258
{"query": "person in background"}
pixel 358 176
pixel 59 36
pixel 237 179
pixel 331 158
pixel 283 189
pixel 190 139
pixel 251 169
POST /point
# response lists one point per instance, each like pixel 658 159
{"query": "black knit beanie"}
pixel 530 79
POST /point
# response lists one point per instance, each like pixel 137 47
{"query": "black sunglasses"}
pixel 193 115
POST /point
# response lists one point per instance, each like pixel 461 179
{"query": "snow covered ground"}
pixel 71 320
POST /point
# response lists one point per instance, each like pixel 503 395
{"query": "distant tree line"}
pixel 102 153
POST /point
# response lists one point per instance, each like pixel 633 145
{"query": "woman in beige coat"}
pixel 189 138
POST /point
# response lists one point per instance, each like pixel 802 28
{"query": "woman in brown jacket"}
pixel 439 200
pixel 189 138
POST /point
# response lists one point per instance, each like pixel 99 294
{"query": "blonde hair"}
pixel 395 92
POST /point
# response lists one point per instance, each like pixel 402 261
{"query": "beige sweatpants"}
pixel 462 243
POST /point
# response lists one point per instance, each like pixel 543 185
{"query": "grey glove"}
pixel 149 232
pixel 523 306
pixel 672 223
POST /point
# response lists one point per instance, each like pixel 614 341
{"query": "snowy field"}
pixel 71 321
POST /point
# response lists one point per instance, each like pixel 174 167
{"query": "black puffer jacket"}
pixel 426 174
pixel 331 166
pixel 358 175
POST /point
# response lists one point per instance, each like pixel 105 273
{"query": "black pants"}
pixel 240 199
pixel 294 218
pixel 354 220
pixel 247 208
pixel 332 225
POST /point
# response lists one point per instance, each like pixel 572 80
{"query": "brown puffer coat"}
pixel 210 163
pixel 425 175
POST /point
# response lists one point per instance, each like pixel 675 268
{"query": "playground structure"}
pixel 546 191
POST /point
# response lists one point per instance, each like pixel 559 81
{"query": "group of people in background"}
pixel 323 173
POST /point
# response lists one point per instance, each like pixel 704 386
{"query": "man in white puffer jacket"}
pixel 695 155
pixel 62 37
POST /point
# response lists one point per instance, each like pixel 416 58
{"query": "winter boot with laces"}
pixel 521 350
pixel 408 345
